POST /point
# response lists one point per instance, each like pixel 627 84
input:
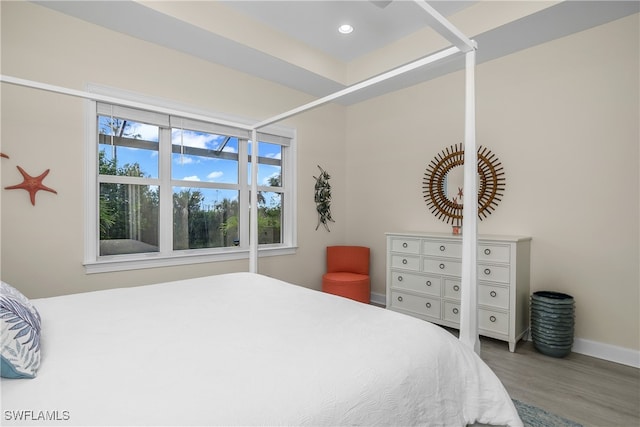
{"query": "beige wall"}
pixel 563 117
pixel 42 246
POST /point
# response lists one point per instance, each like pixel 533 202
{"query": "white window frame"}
pixel 94 263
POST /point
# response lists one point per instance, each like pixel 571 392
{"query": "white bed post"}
pixel 253 215
pixel 469 294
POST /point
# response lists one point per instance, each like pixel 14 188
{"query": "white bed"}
pixel 246 349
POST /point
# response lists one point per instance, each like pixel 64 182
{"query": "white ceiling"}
pixel 296 44
pixel 315 23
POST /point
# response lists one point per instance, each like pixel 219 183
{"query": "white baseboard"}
pixel 378 299
pixel 612 353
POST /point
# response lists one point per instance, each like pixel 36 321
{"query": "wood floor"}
pixel 590 391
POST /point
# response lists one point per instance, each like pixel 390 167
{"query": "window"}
pixel 174 190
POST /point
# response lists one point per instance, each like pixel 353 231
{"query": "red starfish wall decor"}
pixel 32 184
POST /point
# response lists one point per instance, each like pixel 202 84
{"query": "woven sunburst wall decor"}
pixel 490 188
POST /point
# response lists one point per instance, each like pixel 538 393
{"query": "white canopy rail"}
pixel 461 44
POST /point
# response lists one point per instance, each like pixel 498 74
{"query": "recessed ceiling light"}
pixel 345 29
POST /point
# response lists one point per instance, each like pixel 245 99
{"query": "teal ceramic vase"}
pixel 552 323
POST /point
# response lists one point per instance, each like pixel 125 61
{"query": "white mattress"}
pixel 245 349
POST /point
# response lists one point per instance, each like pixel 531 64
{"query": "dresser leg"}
pixel 512 347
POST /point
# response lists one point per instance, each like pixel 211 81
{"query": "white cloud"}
pixel 214 175
pixel 228 149
pixel 265 181
pixel 191 178
pixel 190 138
pixel 146 132
pixel 184 160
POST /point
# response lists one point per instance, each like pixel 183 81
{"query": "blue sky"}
pixel 188 167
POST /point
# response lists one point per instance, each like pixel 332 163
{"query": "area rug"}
pixel 533 416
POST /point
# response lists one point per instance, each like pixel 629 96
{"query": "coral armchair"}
pixel 348 272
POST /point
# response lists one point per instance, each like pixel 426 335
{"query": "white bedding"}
pixel 245 349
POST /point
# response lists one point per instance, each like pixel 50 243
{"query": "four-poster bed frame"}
pixel 461 45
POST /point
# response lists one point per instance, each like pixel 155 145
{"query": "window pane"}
pixel 128 218
pixel 200 156
pixel 204 218
pixel 269 164
pixel 269 217
pixel 127 148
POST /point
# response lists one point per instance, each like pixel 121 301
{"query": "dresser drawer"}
pixel 452 289
pixel 416 304
pixel 406 262
pixel 426 284
pixel 494 253
pixel 494 296
pixel 493 273
pixel 407 246
pixel 440 266
pixel 442 249
pixel 451 312
pixel 494 321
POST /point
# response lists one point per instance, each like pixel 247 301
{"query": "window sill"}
pixel 154 260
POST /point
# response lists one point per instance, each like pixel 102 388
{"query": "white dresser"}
pixel 423 280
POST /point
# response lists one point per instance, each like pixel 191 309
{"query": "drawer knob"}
pixel 493 294
pixel 441 266
pixel 400 279
pixel 487 271
pixel 487 251
pixel 456 288
pixel 455 311
pixel 428 305
pixel 400 299
pixel 428 282
pixel 442 248
pixel 493 318
pixel 404 261
pixel 405 245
